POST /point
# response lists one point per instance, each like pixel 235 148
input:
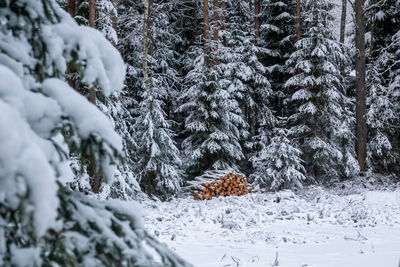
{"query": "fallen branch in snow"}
pixel 237 263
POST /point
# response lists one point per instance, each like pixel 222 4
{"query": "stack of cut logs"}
pixel 213 184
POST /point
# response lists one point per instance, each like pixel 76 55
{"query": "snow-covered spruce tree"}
pixel 149 40
pixel 279 165
pixel 213 119
pixel 107 14
pixel 244 74
pixel 278 34
pixel 212 123
pixel 381 117
pixel 383 85
pixel 318 94
pixel 43 120
pixel 115 106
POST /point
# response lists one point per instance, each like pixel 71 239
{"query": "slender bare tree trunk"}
pixel 92 13
pixel 195 18
pixel 92 23
pixel 147 46
pixel 343 21
pixel 298 20
pixel 216 30
pixel 257 11
pixel 114 20
pixel 95 181
pixel 361 110
pixel 223 7
pixel 72 8
pixel 206 33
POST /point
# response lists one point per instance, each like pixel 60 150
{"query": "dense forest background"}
pixel 116 98
pixel 262 87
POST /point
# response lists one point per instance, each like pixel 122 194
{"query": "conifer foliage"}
pixel 43 121
pixel 277 31
pixel 212 122
pixel 318 92
pixel 383 85
pixel 279 165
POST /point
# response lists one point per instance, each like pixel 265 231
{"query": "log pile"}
pixel 218 184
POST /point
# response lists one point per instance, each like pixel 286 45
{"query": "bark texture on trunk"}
pixel 147 45
pixel 92 23
pixel 361 110
pixel 343 21
pixel 72 8
pixel 298 20
pixel 257 11
pixel 216 30
pixel 95 181
pixel 114 20
pixel 195 19
pixel 223 7
pixel 92 13
pixel 206 33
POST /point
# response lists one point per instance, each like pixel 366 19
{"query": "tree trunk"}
pixel 72 8
pixel 361 110
pixel 114 20
pixel 206 32
pixel 95 176
pixel 257 11
pixel 92 23
pixel 92 13
pixel 343 21
pixel 298 20
pixel 147 47
pixel 216 30
pixel 223 7
pixel 195 20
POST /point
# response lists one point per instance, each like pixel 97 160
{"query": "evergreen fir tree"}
pixel 318 93
pixel 157 158
pixel 158 166
pixel 383 84
pixel 278 33
pixel 212 123
pixel 278 165
pixel 245 75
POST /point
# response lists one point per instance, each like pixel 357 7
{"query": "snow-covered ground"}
pixel 314 227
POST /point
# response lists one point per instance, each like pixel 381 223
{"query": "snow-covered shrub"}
pixel 42 121
pixel 278 165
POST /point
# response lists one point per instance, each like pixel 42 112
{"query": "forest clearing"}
pixel 356 226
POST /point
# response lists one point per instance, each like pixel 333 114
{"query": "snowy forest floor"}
pixel 356 223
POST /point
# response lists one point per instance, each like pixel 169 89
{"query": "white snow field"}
pixel 313 228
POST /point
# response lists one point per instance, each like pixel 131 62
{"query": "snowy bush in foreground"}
pixel 278 165
pixel 43 120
